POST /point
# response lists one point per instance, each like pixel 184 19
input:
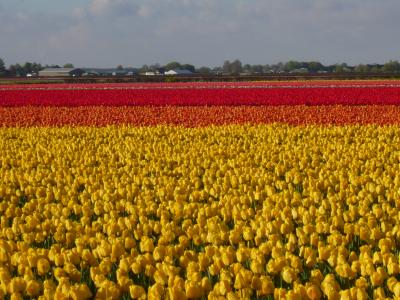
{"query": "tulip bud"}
pixel 43 266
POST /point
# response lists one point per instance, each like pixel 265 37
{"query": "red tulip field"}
pixel 203 94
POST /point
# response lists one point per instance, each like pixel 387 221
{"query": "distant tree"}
pixel 236 67
pixel 69 65
pixel 375 68
pixel 120 67
pixel 2 67
pixel 340 68
pixel 266 69
pixel 217 70
pixel 279 67
pixel 36 67
pixel 144 69
pixel 330 68
pixel 247 68
pixel 292 65
pixel 12 70
pixel 361 68
pixel 52 66
pixel 315 66
pixel 27 67
pixel 204 70
pixel 172 65
pixel 226 67
pixel 19 70
pixel 154 67
pixel 188 67
pixel 391 66
pixel 258 69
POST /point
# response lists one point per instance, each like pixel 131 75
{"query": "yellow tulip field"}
pixel 220 212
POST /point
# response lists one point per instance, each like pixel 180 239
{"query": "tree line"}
pixel 26 68
pixel 228 67
pixel 312 67
pixel 292 66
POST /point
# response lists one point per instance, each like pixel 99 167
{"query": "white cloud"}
pixel 22 17
pixel 79 13
pixel 73 37
pixel 112 7
pixel 100 7
pixel 145 11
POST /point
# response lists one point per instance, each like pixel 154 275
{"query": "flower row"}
pixel 195 116
pixel 236 212
pixel 206 96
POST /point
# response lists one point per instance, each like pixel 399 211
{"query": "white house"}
pixel 178 72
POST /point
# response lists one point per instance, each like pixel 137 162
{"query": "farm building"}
pixel 60 72
pixel 110 72
pixel 159 71
pixel 178 72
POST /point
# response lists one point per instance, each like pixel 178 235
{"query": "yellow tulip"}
pixel 267 286
pixel 378 277
pixel 81 291
pixel 59 260
pixel 137 292
pixel 88 257
pixel 292 295
pixel 344 270
pixel 232 296
pixel 313 292
pixel 224 287
pixel 5 275
pixel 160 277
pixel 330 287
pixel 33 288
pixel 159 253
pixel 156 291
pixel 362 294
pixel 227 258
pixel 280 293
pixel 16 285
pixel 248 234
pixel 43 266
pixel 175 293
pixel 108 290
pixel 242 255
pixel 16 296
pixel 4 257
pixel 379 293
pixel 146 245
pixel 288 274
pixel 73 272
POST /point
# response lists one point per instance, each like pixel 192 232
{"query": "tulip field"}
pixel 203 94
pixel 270 190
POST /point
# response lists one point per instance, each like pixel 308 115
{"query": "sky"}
pixel 106 33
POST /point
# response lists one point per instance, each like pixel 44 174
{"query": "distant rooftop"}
pixel 179 72
pixel 59 69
